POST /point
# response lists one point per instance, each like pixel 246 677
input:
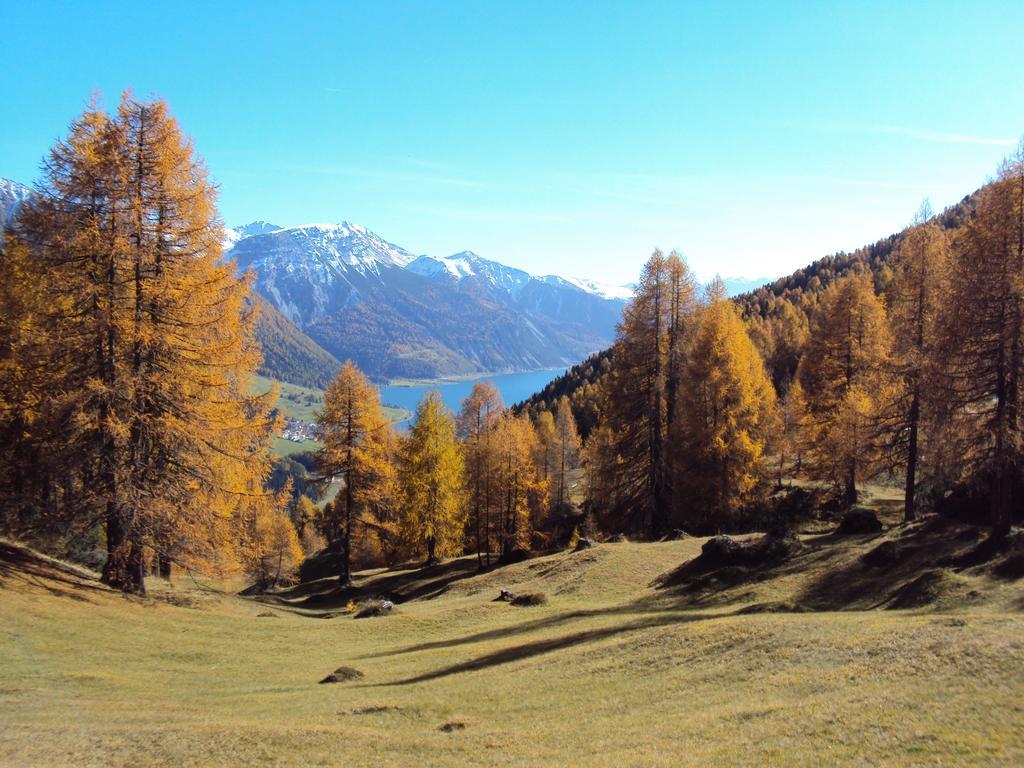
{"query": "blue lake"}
pixel 514 388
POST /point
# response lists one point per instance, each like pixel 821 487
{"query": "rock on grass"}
pixel 859 520
pixel 721 551
pixel 373 608
pixel 343 675
pixel 529 599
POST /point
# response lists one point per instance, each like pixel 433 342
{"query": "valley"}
pixel 602 385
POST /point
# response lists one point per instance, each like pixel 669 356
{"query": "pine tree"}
pixel 354 433
pixel 843 374
pixel 23 382
pixel 682 311
pixel 521 493
pixel 547 443
pixel 271 552
pixel 303 512
pixel 727 417
pixel 793 418
pixel 431 477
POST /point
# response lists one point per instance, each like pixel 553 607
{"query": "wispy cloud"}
pixel 486 215
pixel 940 137
pixel 402 177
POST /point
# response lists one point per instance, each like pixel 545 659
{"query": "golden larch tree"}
pixel 983 347
pixel 727 418
pixel 156 344
pixel 479 413
pixel 432 480
pixel 567 452
pixel 355 450
pixel 916 293
pixel 843 374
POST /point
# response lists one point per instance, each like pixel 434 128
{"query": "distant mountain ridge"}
pixel 398 315
pixel 338 291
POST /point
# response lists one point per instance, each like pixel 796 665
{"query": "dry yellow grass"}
pixel 623 666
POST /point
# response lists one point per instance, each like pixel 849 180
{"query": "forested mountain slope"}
pixel 289 354
pixel 777 315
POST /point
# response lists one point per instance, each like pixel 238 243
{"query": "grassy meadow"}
pixel 632 661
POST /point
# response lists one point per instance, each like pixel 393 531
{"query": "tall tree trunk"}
pixel 910 490
pixel 431 551
pixel 1002 493
pixel 850 490
pixel 345 577
pixel 114 567
pixel 124 568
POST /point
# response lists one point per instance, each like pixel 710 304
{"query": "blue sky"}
pixel 570 138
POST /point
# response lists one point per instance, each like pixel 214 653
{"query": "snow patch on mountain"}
pixel 605 291
pixel 12 196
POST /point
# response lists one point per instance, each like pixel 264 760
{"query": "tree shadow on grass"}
pixel 320 598
pixel 511 630
pixel 864 583
pixel 549 645
pixel 22 564
pixel 699 584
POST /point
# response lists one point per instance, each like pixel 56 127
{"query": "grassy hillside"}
pixel 638 658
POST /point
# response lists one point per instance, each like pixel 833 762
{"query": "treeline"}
pixel 905 359
pixel 127 347
pixel 484 481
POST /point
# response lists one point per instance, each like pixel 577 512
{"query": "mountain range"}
pixel 330 292
pixel 399 315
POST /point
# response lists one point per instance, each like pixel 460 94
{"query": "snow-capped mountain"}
pixel 311 271
pixel 468 267
pixel 12 195
pixel 399 315
pixel 232 236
